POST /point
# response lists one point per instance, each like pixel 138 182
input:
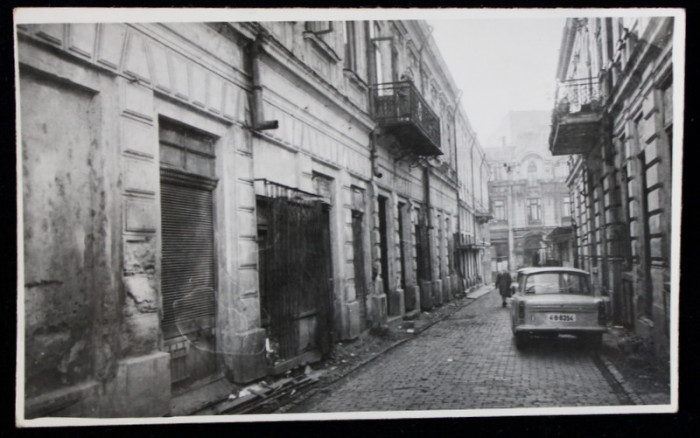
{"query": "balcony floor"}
pixel 411 136
pixel 576 133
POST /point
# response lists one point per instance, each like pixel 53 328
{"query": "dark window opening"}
pixel 359 265
pixel 403 243
pixel 383 243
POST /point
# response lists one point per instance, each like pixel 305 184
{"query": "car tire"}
pixel 521 341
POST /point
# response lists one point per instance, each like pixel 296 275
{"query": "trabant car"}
pixel 551 301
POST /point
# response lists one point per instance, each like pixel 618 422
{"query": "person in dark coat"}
pixel 503 282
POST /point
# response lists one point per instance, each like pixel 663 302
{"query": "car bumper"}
pixel 540 330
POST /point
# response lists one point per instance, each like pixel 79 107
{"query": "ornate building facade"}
pixel 614 119
pixel 528 195
pixel 214 203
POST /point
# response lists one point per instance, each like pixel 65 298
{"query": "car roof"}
pixel 536 270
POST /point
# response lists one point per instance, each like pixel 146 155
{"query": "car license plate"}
pixel 561 317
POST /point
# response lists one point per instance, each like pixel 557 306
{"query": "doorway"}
pixel 383 244
pixel 188 262
pixel 359 265
pixel 295 276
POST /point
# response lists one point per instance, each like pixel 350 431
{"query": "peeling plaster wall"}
pixel 58 233
pixel 91 96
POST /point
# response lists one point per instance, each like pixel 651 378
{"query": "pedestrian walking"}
pixel 503 282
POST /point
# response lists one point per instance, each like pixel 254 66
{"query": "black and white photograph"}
pixel 232 216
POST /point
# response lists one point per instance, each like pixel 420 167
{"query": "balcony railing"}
pixel 400 108
pixel 578 95
pixel 577 115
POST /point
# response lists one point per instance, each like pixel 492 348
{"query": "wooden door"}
pixel 297 277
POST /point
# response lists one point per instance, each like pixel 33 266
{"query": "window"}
pixel 557 283
pixel 319 27
pixel 379 63
pixel 499 210
pixel 350 41
pixel 532 173
pixel 668 117
pixel 534 210
pixel 496 172
pixel 187 182
pixel 566 207
pixel 373 29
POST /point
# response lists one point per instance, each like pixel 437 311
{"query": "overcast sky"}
pixel 500 65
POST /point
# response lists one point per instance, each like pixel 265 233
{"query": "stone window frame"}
pixel 499 204
pixel 535 202
pixel 532 173
pixel 566 207
pixel 351 43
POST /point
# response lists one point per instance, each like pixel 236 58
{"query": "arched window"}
pixel 532 172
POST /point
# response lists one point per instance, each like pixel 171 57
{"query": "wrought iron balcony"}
pixel 464 240
pixel 577 116
pixel 483 214
pixel 401 110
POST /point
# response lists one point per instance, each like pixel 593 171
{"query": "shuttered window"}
pixel 188 279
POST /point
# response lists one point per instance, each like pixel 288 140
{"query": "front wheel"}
pixel 521 341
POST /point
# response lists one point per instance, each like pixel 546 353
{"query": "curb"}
pixel 307 395
pixel 630 393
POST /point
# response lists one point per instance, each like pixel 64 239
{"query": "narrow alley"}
pixel 319 211
pixel 469 361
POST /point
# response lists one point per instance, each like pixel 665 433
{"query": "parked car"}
pixel 550 301
pixel 516 279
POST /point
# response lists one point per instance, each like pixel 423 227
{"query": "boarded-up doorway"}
pixel 295 277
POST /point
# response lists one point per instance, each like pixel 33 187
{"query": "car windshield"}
pixel 557 283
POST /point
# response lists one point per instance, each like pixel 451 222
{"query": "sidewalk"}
pixel 277 394
pixel 638 370
pixel 644 381
pixel 349 356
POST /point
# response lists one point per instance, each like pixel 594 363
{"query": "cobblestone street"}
pixel 469 361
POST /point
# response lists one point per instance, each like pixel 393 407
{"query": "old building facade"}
pixel 213 203
pixel 614 117
pixel 528 195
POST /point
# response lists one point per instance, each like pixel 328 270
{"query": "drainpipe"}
pixel 259 124
pixel 454 141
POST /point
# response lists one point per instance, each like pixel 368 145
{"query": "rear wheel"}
pixel 521 341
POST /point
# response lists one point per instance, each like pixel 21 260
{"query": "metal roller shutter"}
pixel 188 276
